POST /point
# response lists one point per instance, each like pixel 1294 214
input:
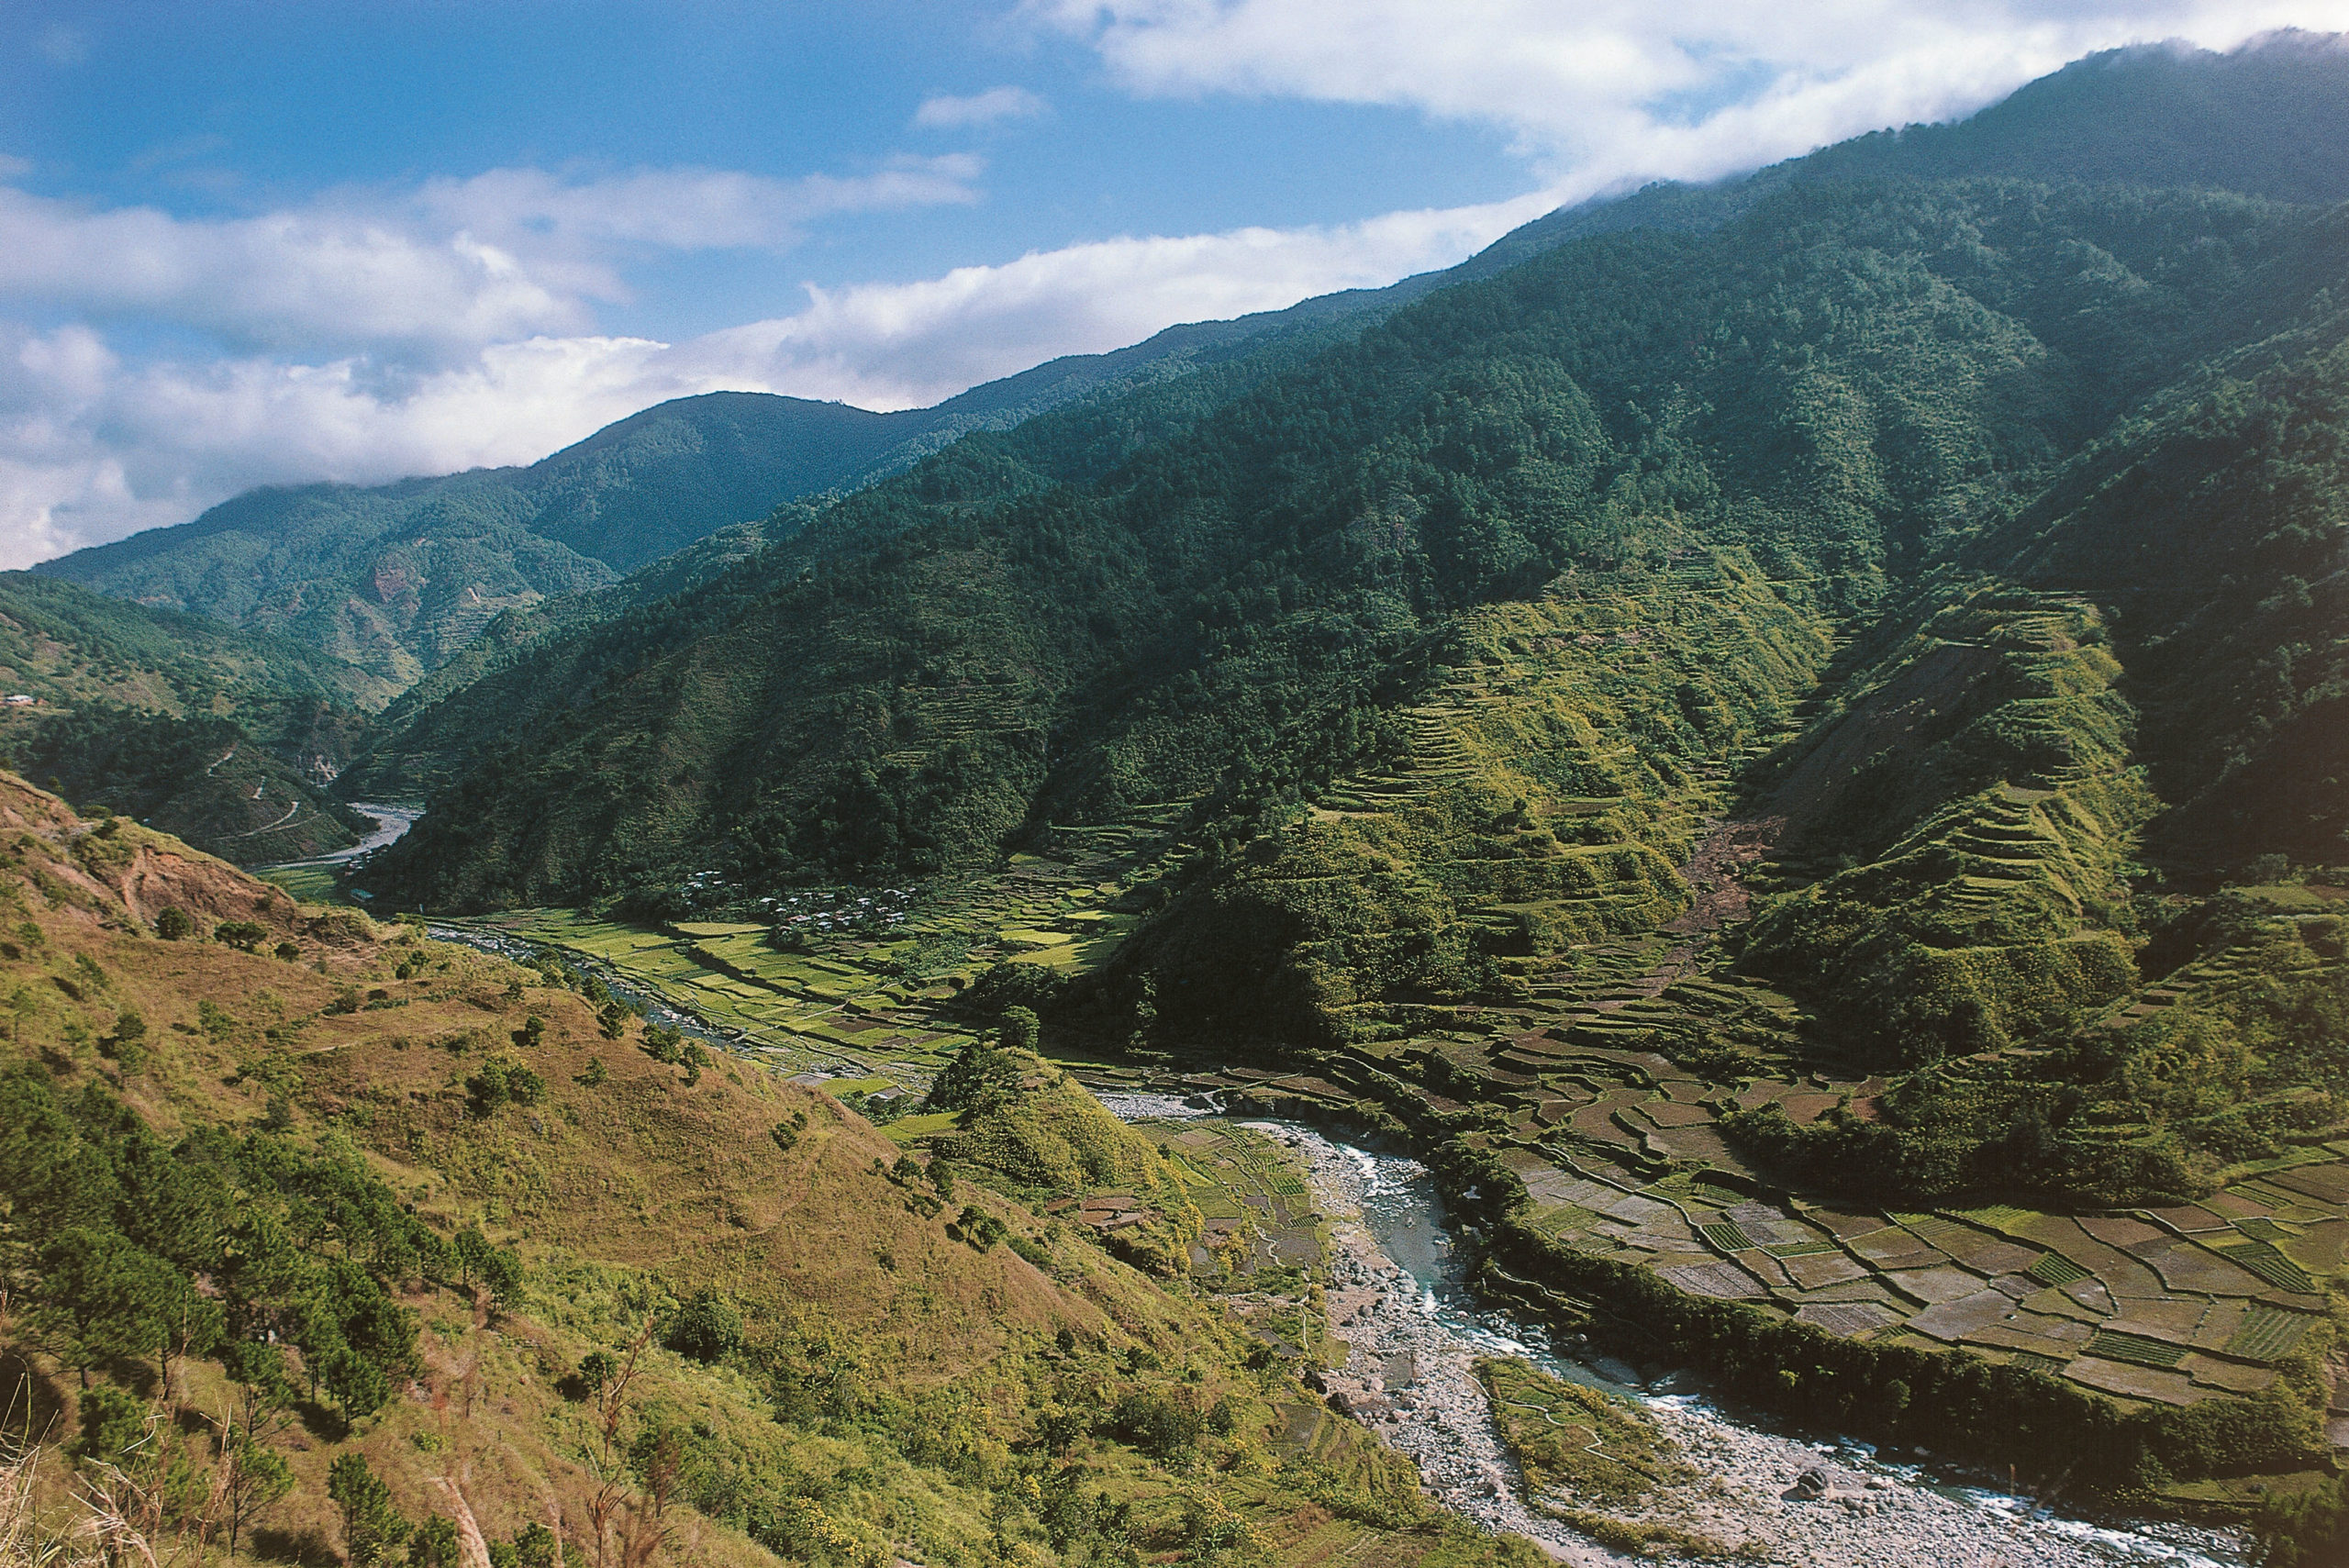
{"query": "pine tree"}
pixel 371 1526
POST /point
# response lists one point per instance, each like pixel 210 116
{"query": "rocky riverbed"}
pixel 1410 1376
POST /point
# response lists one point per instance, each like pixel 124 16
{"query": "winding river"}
pixel 392 823
pixel 1398 1295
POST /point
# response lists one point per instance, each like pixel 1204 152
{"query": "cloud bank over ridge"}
pixel 152 365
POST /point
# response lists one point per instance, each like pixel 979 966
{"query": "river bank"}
pixel 1397 1296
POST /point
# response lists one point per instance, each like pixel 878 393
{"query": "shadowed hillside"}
pixel 226 739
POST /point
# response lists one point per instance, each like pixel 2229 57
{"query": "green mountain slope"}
pixel 1816 726
pixel 1113 607
pixel 223 738
pixel 1794 756
pixel 401 577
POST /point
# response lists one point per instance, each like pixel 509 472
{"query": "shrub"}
pixel 174 924
pixel 705 1329
pixel 114 1427
pixel 979 1228
pixel 246 934
pixel 1165 1430
pixel 502 1079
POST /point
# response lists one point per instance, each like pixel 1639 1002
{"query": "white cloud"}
pixel 947 113
pixel 1604 92
pixel 686 209
pixel 92 448
pixel 441 270
pixel 289 278
pixel 908 345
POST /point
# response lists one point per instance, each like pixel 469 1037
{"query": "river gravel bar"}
pixel 1409 1376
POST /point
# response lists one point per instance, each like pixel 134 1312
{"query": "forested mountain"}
pixel 400 577
pixel 226 739
pixel 1171 595
pixel 1958 557
pixel 1787 740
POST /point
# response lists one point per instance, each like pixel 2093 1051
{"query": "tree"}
pixel 1021 1028
pixel 536 1547
pixel 254 1475
pixel 174 924
pixel 706 1327
pixel 597 1369
pixel 371 1525
pixel 246 934
pixel 435 1545
pixel 501 1271
pixel 104 1299
pixel 979 1073
pixel 472 1250
pixel 358 1384
pixel 114 1426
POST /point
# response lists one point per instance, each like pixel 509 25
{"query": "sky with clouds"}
pixel 275 241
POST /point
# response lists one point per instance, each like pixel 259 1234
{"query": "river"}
pixel 1398 1293
pixel 392 823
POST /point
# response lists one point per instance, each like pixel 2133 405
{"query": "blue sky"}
pixel 236 109
pixel 261 241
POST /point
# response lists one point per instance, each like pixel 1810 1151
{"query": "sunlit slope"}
pixel 284 1183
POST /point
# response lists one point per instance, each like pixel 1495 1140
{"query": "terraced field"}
pixel 863 1000
pixel 1568 793
pixel 1264 1249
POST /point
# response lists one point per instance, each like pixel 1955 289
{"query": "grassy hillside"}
pixel 547 1277
pixel 222 737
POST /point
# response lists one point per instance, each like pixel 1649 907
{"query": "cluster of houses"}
pixel 839 909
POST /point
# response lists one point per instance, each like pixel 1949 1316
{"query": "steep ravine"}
pixel 1398 1294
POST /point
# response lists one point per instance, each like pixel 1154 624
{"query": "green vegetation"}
pixel 378 1280
pixel 1031 1129
pixel 220 737
pixel 1579 1441
pixel 1690 707
pixel 1791 750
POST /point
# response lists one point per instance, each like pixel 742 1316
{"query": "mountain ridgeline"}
pixel 1856 394
pixel 399 578
pixel 1980 537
